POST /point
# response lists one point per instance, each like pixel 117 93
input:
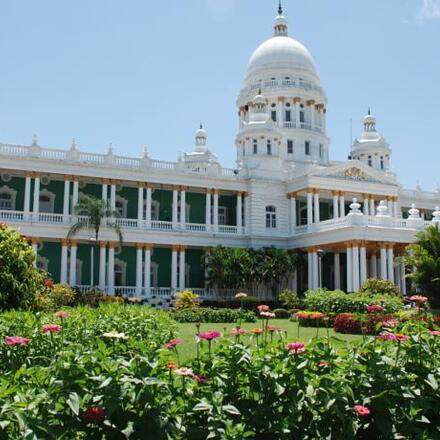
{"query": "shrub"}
pixel 94 297
pixel 357 324
pixel 20 281
pixel 310 319
pixel 282 313
pixel 249 303
pixel 53 298
pixel 289 298
pixel 340 302
pixel 375 286
pixel 213 315
pixel 187 300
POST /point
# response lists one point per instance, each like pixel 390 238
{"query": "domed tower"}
pixel 282 72
pixel 371 147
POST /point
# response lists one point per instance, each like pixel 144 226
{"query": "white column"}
pixel 174 270
pixel 139 267
pixel 245 211
pixel 397 210
pixel 312 116
pixel 140 213
pixel 112 196
pixel 297 118
pixel 356 275
pixel 390 264
pixel 337 270
pixel 390 207
pixel 36 205
pixel 175 203
pixel 75 194
pixel 183 219
pixel 372 208
pixel 402 279
pixel 280 111
pixel 215 210
pixel 182 269
pixel 335 205
pixel 309 270
pixel 208 210
pixel 316 207
pixel 366 206
pixel 349 269
pixel 309 208
pixel 27 197
pixel 148 206
pixel 383 263
pixel 341 205
pixel 363 264
pixel 111 269
pixel 64 250
pixel 72 275
pixel 373 266
pixel 102 258
pixel 104 192
pixel 292 214
pixel 66 199
pixel 315 270
pixel 147 271
pixel 239 212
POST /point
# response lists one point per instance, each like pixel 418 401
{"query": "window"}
pixel 47 200
pixel 120 271
pixel 273 105
pixel 288 117
pixel 6 202
pixel 255 146
pixel 321 150
pixel 289 146
pixel 222 215
pixel 121 206
pixel 274 115
pixel 370 161
pixel 269 147
pixel 271 217
pixel 307 148
pixel 382 163
pixel 244 150
pixel 155 208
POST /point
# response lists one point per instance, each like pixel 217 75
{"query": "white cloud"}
pixel 430 10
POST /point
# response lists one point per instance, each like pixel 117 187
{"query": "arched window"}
pixel 7 199
pixel 121 206
pixel 370 161
pixel 47 201
pixel 255 146
pixel 269 147
pixel 271 217
pixel 382 163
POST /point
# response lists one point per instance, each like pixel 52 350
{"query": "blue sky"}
pixel 145 73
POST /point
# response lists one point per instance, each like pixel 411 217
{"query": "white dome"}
pixel 281 52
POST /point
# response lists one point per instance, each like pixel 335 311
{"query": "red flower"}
pixel 237 331
pixel 173 343
pixel 434 333
pixel 272 329
pixel 374 308
pixel 324 364
pixel 61 314
pixel 17 340
pixel 296 347
pixel 200 378
pixel 94 414
pixel 361 411
pixel 48 283
pixel 209 336
pixel 171 365
pixel 51 328
pixel 263 308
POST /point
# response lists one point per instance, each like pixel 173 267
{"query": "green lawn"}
pixel 187 332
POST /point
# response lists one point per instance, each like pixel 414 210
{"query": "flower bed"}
pixel 357 324
pixel 213 315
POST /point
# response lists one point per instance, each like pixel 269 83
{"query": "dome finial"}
pixel 369 111
pixel 280 8
pixel 201 126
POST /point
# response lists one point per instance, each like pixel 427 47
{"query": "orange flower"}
pixel 171 365
pixel 257 331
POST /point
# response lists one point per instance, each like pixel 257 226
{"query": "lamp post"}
pixel 92 241
pixel 321 253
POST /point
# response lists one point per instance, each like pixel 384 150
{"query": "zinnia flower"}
pixel 272 329
pixel 267 315
pixel 263 308
pixel 114 335
pixel 241 295
pixel 387 337
pixel 296 347
pixel 61 314
pixel 400 337
pixel 390 323
pixel 434 333
pixel 257 331
pixel 324 364
pixel 94 414
pixel 237 331
pixel 200 378
pixel 48 283
pixel 419 299
pixel 183 371
pixel 374 308
pixel 171 365
pixel 173 343
pixel 17 340
pixel 361 411
pixel 51 328
pixel 209 336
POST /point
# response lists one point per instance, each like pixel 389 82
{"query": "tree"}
pixel 20 281
pixel 424 256
pixel 96 212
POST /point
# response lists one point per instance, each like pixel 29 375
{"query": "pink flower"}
pixel 17 340
pixel 391 323
pixel 361 411
pixel 399 337
pixel 387 337
pixel 200 378
pixel 237 331
pixel 434 333
pixel 296 347
pixel 263 308
pixel 419 299
pixel 51 328
pixel 374 308
pixel 272 329
pixel 183 371
pixel 173 343
pixel 209 336
pixel 267 315
pixel 62 314
pixel 94 414
pixel 324 364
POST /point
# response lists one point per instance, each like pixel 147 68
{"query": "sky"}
pixel 144 73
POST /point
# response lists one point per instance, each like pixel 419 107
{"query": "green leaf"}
pixel 73 402
pixel 231 409
pixel 203 406
pixel 432 382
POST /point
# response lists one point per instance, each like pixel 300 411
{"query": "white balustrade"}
pixel 16 216
pixel 46 217
pixel 195 227
pixel 226 229
pixel 161 225
pixel 127 222
pixel 160 292
pixel 125 290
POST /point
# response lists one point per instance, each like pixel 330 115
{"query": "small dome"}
pixel 201 133
pixel 260 99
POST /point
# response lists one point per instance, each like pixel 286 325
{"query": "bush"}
pixel 282 313
pixel 356 324
pixel 289 298
pixel 249 303
pixel 55 297
pixel 94 297
pixel 340 302
pixel 187 300
pixel 20 281
pixel 213 315
pixel 375 286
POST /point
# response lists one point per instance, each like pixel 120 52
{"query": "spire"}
pixel 280 23
pixel 369 111
pixel 280 8
pixel 201 126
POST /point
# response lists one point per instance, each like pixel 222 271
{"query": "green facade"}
pixel 197 202
pixel 162 256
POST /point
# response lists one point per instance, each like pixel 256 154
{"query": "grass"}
pixel 187 333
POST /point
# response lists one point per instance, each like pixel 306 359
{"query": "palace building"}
pixel 352 218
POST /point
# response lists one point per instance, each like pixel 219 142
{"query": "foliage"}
pixel 187 300
pixel 236 268
pixel 77 383
pixel 53 298
pixel 376 286
pixel 289 298
pixel 311 319
pixel 424 256
pixel 325 301
pixel 282 313
pixel 214 315
pixel 356 324
pixel 249 303
pixel 94 297
pixel 20 281
pixel 96 212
